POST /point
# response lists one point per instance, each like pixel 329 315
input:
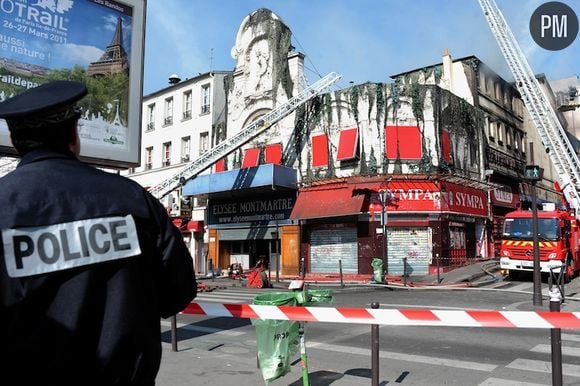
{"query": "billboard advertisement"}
pixel 97 42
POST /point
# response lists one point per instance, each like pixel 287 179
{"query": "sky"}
pixel 364 40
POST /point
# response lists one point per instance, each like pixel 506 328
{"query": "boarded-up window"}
pixel 403 142
pixel 251 158
pixel 347 144
pixel 274 154
pixel 220 165
pixel 319 150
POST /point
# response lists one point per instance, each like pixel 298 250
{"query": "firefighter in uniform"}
pixel 89 261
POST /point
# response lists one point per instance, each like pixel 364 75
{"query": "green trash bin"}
pixel 377 270
pixel 278 340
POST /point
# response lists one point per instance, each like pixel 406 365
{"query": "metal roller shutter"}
pixel 327 246
pixel 412 243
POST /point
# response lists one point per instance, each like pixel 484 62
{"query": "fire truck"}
pixel 558 236
pixel 558 240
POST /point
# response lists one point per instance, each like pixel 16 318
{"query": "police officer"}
pixel 89 261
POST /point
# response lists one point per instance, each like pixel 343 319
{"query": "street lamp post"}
pixel 385 196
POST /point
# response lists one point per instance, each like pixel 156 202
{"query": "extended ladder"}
pixel 553 135
pixel 244 136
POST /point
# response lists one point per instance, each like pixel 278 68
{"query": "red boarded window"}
pixel 251 157
pixel 347 144
pixel 220 165
pixel 319 150
pixel 446 146
pixel 274 154
pixel 403 142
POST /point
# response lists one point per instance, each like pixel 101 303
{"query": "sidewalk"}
pixel 457 276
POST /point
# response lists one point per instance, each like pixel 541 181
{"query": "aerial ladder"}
pixel 553 135
pixel 244 136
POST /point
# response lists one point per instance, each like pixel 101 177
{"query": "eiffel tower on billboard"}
pixel 114 60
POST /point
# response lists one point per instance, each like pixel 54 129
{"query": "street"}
pixel 223 350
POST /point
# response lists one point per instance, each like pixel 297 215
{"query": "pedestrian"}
pixel 89 260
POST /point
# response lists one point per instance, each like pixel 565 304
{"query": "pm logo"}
pixel 554 26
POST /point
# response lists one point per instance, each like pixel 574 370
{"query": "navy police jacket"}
pixel 89 262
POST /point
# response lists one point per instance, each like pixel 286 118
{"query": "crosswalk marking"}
pixel 205 330
pixel 571 337
pixel 521 287
pixel 507 382
pixel 547 349
pixel 230 296
pixel 478 366
pixel 543 367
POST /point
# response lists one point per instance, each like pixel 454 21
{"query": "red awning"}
pixel 251 158
pixel 347 144
pixel 195 226
pixel 325 201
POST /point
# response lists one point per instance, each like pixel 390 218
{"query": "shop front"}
pixel 428 222
pixel 248 218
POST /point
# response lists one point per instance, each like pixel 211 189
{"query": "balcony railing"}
pixel 168 121
pixel 150 126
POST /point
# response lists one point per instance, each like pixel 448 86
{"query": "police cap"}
pixel 51 102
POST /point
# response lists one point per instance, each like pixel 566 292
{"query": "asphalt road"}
pixel 222 351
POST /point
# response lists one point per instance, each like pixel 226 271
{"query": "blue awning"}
pixel 268 175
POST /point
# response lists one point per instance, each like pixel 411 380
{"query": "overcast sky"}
pixel 364 40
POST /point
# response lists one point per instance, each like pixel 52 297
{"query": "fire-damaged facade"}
pixel 304 194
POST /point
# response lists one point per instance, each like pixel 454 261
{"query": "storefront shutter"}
pixel 413 244
pixel 328 246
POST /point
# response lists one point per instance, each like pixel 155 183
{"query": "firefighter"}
pixel 90 260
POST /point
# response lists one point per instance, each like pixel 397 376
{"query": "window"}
pixel 220 165
pixel 273 154
pixel 319 150
pixel 492 131
pixel 168 111
pixel 203 142
pixel 508 137
pixel 517 141
pixel 149 158
pixel 187 104
pixel 500 133
pixel 482 82
pixel 185 149
pixel 403 142
pixel 167 154
pixel 251 157
pixel 347 144
pixel 205 98
pixel 150 117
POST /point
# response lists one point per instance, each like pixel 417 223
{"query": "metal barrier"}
pixel 393 317
pixel 553 320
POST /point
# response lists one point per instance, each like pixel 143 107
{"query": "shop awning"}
pixel 195 226
pixel 324 201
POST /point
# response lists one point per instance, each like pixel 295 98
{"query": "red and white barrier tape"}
pixel 392 317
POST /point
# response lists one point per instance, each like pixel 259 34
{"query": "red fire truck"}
pixel 558 239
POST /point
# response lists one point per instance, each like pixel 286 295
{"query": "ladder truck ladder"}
pixel 244 136
pixel 553 135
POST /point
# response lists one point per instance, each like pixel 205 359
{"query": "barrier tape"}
pixel 392 317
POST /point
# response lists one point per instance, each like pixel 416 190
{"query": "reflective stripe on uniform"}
pixel 36 250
